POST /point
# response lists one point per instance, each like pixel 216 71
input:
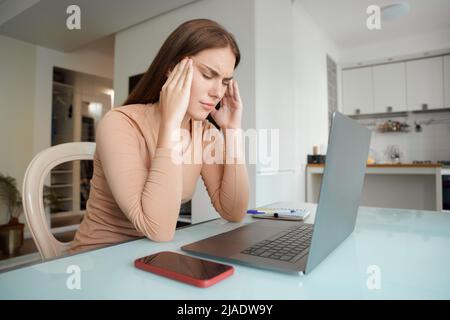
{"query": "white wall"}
pixel 17 65
pixel 136 47
pixel 274 83
pixel 310 89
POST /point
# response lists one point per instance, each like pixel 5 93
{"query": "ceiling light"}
pixel 394 11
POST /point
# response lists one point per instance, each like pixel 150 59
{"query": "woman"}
pixel 137 187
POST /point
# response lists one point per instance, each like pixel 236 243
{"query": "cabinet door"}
pixel 447 81
pixel 389 88
pixel 357 91
pixel 424 84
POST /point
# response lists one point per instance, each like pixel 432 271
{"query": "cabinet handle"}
pixel 424 106
pixel 389 109
pixel 357 111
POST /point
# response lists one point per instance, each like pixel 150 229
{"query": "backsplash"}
pixel 431 143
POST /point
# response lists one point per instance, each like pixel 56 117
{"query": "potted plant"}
pixel 11 233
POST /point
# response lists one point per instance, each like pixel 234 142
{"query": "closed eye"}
pixel 208 77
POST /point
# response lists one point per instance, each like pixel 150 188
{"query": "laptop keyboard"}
pixel 285 246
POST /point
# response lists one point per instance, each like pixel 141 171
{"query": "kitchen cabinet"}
pixel 447 81
pixel 389 87
pixel 357 91
pixel 424 84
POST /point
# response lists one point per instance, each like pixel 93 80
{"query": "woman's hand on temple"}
pixel 174 101
pixel 175 94
pixel 229 116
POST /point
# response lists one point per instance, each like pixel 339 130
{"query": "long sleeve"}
pixel 149 196
pixel 227 183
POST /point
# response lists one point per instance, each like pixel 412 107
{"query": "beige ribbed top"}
pixel 136 188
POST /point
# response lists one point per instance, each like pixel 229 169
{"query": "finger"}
pixel 179 72
pixel 184 73
pixel 236 90
pixel 224 101
pixel 230 87
pixel 189 75
pixel 227 92
pixel 173 72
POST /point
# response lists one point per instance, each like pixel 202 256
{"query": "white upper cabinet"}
pixel 357 91
pixel 424 84
pixel 389 87
pixel 447 81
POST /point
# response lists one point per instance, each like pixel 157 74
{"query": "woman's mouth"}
pixel 208 106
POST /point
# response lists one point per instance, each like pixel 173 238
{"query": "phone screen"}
pixel 189 266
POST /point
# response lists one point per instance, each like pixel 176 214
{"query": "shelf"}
pixel 396 114
pixel 72 227
pixel 65 85
pixel 431 110
pixel 65 199
pixel 60 185
pixel 379 115
pixel 68 213
pixel 393 131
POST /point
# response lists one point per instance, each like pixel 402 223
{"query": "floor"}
pixel 29 247
pixel 28 253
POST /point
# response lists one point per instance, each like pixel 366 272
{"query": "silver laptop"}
pixel 293 246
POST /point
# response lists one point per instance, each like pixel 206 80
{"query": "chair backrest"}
pixel 32 192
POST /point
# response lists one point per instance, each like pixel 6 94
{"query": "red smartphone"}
pixel 191 270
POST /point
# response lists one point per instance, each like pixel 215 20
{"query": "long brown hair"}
pixel 188 39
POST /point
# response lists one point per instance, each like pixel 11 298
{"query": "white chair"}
pixel 32 192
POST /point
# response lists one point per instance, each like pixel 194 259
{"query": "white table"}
pixel 407 250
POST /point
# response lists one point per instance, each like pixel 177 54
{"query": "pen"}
pixel 269 211
pixel 255 212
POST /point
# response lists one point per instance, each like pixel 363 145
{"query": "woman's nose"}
pixel 217 90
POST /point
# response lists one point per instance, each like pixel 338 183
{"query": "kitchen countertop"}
pixel 403 179
pixel 386 168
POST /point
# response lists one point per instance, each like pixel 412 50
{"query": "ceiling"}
pixel 344 21
pixel 44 22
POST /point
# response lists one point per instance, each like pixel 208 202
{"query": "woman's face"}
pixel 213 69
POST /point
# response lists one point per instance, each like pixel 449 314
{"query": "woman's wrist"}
pixel 231 127
pixel 169 135
pixel 234 145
